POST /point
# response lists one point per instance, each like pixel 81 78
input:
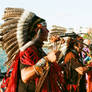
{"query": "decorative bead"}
pixel 41 63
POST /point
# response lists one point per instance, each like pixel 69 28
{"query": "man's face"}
pixel 44 34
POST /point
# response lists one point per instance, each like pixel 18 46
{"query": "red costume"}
pixel 54 81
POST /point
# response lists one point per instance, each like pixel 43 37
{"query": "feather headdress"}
pixel 17 31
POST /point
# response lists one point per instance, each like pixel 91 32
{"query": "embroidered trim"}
pixel 41 63
pixel 35 70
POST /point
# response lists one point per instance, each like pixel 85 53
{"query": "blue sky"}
pixel 66 13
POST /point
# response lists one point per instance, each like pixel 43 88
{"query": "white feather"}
pixel 20 26
pixel 26 45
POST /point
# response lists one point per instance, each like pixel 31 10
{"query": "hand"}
pixel 53 56
pixel 54 38
pixel 79 70
pixel 62 41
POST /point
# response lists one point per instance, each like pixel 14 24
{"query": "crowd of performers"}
pixel 32 70
pixel 76 62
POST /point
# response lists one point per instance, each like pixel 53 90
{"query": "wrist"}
pixel 46 58
pixel 41 63
pixel 38 70
pixel 41 66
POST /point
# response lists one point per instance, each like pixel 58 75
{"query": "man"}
pixel 74 74
pixel 32 69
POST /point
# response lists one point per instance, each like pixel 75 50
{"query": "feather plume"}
pixel 13 21
pixel 9 37
pixel 8 28
pixel 9 42
pixel 13 9
pixel 10 52
pixel 13 31
pixel 25 16
pixel 10 61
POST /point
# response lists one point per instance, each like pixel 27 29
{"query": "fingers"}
pixel 54 38
pixel 57 52
pixel 53 56
pixel 57 55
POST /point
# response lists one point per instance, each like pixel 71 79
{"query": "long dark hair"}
pixel 73 41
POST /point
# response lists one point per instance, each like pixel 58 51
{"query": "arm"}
pixel 31 72
pixel 78 67
pixel 37 69
pixel 27 73
pixel 81 70
pixel 75 64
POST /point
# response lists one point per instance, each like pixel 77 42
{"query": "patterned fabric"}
pixel 54 82
pixel 29 56
pixel 10 80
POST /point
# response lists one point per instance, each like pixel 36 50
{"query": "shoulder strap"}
pixel 41 81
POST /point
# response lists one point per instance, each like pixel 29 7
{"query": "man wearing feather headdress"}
pixel 32 70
